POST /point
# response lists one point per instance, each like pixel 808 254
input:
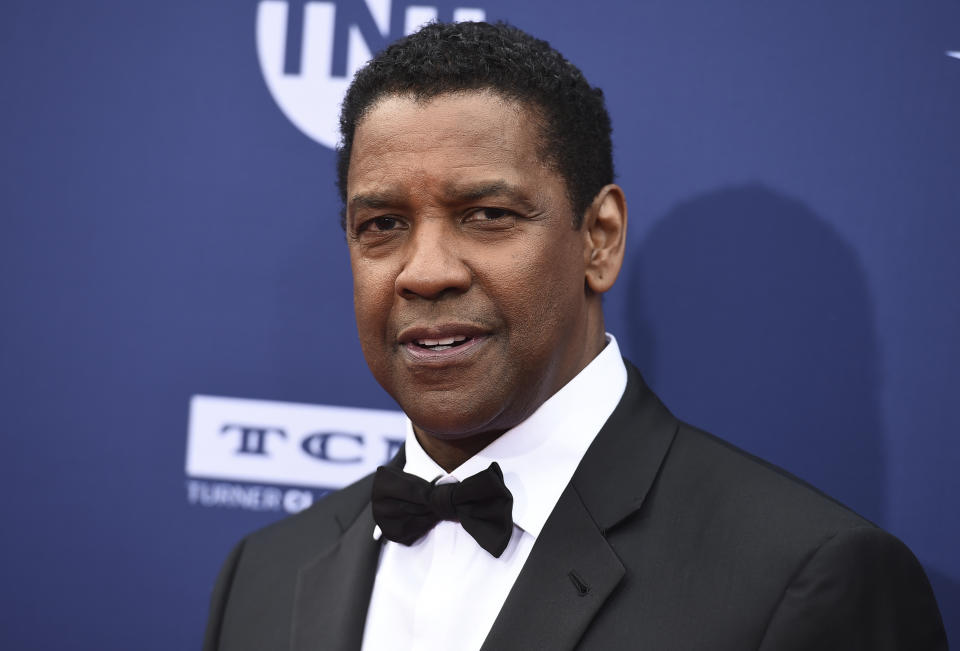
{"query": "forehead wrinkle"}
pixel 401 124
pixel 417 157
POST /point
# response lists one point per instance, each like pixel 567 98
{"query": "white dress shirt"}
pixel 445 591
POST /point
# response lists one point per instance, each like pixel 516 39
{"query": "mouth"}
pixel 441 343
pixel 446 343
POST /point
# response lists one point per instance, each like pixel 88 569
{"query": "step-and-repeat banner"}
pixel 178 356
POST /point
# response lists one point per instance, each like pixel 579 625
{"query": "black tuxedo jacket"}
pixel 665 539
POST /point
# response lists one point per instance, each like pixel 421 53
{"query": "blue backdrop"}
pixel 169 228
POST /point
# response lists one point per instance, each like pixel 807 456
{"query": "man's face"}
pixel 468 273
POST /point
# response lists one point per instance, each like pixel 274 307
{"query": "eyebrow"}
pixel 493 189
pixel 376 200
pixel 483 191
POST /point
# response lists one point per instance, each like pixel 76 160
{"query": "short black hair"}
pixel 454 57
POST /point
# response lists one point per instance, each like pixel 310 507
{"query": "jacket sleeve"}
pixel 219 598
pixel 861 590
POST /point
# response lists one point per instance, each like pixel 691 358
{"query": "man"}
pixel 545 499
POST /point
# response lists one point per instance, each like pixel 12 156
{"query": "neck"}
pixel 451 453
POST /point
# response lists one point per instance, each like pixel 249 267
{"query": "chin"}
pixel 447 429
pixel 452 422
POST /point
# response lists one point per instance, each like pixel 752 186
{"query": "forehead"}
pixel 444 138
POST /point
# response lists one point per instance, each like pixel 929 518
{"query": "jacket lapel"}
pixel 622 464
pixel 570 573
pixel 333 590
pixel 572 569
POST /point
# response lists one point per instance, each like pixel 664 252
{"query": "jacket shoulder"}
pixel 706 470
pixel 735 543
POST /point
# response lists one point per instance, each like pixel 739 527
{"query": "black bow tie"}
pixel 407 507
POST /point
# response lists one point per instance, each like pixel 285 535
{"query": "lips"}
pixel 441 342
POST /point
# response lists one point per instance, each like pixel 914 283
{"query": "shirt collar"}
pixel 539 456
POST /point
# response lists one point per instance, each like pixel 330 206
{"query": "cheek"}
pixel 372 292
pixel 543 291
pixel 371 305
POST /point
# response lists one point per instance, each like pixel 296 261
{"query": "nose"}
pixel 433 265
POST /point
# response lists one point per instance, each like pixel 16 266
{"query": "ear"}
pixel 604 232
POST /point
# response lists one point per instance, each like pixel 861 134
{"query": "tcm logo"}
pixel 289 444
pixel 309 51
pixel 252 439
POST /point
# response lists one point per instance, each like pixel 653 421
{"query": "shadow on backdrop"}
pixel 752 318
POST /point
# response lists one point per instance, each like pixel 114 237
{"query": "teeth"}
pixel 446 341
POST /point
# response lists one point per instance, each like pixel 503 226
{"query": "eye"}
pixel 490 215
pixel 379 224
